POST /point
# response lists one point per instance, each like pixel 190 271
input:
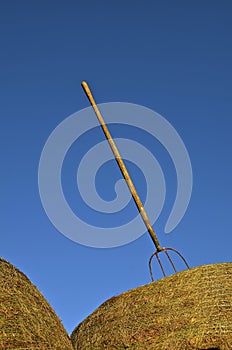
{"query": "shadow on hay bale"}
pixel 27 321
pixel 188 310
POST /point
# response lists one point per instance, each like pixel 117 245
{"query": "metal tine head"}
pixel 166 251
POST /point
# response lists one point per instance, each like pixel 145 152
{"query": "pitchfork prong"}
pixel 170 259
pixel 156 254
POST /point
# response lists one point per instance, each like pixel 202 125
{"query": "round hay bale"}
pixel 27 321
pixel 189 310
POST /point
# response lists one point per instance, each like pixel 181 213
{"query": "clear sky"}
pixel 174 57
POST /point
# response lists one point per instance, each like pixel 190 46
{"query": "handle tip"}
pixel 84 84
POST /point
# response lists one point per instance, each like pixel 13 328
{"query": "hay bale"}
pixel 189 310
pixel 27 321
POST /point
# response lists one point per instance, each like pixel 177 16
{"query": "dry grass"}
pixel 188 310
pixel 27 321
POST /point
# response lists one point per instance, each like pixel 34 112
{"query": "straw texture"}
pixel 189 310
pixel 27 321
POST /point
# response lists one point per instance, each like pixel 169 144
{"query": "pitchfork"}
pixel 133 191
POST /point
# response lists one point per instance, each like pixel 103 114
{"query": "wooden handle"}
pixel 122 167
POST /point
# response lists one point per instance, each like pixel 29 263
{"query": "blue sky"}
pixel 173 57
